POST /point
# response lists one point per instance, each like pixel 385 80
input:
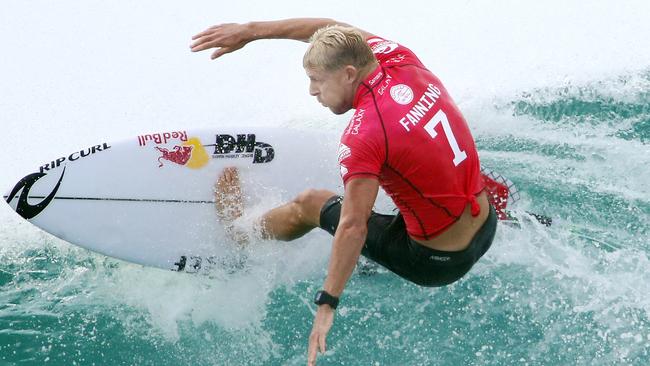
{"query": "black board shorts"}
pixel 389 245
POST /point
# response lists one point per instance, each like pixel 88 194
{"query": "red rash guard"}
pixel 408 133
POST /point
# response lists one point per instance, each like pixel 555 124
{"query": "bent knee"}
pixel 309 202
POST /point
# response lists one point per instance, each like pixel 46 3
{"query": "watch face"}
pixel 318 296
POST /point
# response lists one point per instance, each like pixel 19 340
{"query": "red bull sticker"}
pixel 179 154
pixel 190 154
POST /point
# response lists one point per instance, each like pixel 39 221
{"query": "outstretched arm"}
pixel 232 36
pixel 360 195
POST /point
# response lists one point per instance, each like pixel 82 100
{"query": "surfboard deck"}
pixel 150 199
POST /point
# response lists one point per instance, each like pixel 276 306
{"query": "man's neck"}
pixel 363 73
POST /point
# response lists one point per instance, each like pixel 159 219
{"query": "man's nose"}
pixel 313 91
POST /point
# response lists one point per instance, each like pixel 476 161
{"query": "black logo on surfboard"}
pixel 194 264
pixel 243 146
pixel 24 208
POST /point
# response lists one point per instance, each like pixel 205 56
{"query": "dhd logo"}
pixel 243 146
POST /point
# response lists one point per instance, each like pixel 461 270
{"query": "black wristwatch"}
pixel 322 297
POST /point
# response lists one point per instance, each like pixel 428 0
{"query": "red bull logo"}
pixel 179 154
pixel 190 154
pixel 162 138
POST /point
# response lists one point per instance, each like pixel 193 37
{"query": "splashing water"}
pixel 569 124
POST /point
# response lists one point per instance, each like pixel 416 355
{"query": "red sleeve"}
pixel 392 53
pixel 360 155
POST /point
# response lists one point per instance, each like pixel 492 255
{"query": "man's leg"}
pixel 287 222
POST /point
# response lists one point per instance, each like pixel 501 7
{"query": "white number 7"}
pixel 441 117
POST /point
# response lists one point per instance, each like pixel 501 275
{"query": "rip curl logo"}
pixel 74 157
pixel 24 208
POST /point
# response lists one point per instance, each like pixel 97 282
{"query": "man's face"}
pixel 333 89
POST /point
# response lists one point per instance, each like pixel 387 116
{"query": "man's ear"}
pixel 351 73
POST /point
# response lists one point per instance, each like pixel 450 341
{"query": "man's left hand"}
pixel 322 324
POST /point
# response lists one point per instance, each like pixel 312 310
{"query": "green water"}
pixel 572 294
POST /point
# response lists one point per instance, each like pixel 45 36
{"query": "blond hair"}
pixel 335 46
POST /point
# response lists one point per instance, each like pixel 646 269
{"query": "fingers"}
pixel 231 175
pixel 220 52
pixel 227 177
pixel 207 31
pixel 204 43
pixel 313 349
pixel 209 38
pixel 227 174
pixel 225 38
pixel 322 324
pixel 223 50
pixel 316 344
pixel 321 343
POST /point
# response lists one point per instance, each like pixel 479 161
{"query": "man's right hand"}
pixel 225 37
pixel 231 37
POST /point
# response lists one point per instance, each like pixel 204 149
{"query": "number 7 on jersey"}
pixel 441 117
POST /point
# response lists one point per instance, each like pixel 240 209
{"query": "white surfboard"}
pixel 150 200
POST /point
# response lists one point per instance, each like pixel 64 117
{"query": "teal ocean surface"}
pixel 575 293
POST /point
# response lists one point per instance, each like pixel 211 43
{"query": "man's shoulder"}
pixel 364 125
pixel 391 53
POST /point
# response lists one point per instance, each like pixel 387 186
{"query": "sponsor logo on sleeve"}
pixel 344 152
pixel 344 170
pixel 401 94
pixel 355 122
pixel 379 45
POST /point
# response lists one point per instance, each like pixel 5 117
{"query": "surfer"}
pixel 406 135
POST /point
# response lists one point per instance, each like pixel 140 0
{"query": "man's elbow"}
pixel 353 228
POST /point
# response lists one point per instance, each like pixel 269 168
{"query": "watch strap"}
pixel 323 297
